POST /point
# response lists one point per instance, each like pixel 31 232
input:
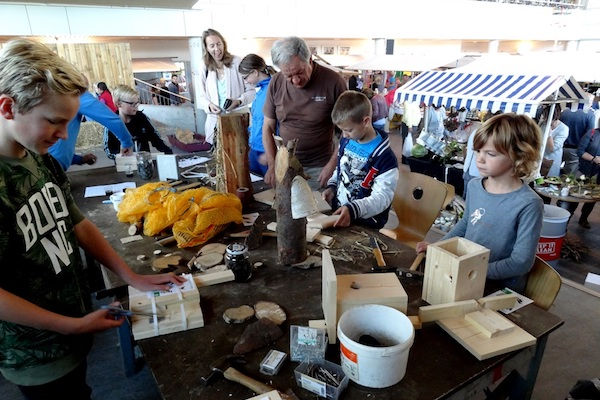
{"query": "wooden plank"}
pixel 266 197
pixel 489 322
pixel 317 323
pixel 447 310
pixel 312 234
pixel 231 153
pixel 324 239
pixel 213 278
pixel 329 295
pixel 415 321
pixel 322 221
pixel 498 302
pixel 481 346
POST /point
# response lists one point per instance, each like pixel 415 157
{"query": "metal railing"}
pixel 151 94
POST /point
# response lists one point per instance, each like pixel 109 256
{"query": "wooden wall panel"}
pixel 106 62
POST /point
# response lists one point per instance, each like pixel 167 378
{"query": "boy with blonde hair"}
pixel 503 213
pixel 45 318
pixel 142 132
pixel 362 186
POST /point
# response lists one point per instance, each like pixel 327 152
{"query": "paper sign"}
pixel 106 190
pixel 521 302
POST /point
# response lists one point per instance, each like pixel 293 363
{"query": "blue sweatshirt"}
pixel 255 128
pixel 508 224
pixel 90 107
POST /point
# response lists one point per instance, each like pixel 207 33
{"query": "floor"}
pixel 572 351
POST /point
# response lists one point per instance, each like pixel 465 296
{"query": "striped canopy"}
pixel 508 92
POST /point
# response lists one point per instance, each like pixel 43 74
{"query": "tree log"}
pixel 291 233
pixel 231 153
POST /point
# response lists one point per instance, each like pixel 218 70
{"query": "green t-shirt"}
pixel 40 262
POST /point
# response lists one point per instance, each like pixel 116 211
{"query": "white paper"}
pixel 188 162
pixel 101 190
pixel 592 278
pixel 313 385
pixel 255 178
pixel 522 301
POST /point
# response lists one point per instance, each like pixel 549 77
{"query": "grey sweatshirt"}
pixel 508 224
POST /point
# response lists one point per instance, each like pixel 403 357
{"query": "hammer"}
pixel 223 367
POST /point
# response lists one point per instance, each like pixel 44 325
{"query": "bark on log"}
pixel 231 153
pixel 291 233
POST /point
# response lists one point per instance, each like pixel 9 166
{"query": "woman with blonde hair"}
pixel 221 87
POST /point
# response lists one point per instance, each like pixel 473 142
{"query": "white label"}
pixel 307 336
pixel 349 367
pixel 313 385
pixel 273 359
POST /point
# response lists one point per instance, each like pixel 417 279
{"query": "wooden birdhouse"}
pixel 455 270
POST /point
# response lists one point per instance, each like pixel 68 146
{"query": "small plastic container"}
pixel 271 364
pixel 321 388
pixel 307 343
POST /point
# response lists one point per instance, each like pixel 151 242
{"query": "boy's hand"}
pixel 344 219
pixel 156 282
pixel 421 247
pixel 327 195
pixel 96 321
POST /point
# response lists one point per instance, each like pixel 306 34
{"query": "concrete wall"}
pixel 177 116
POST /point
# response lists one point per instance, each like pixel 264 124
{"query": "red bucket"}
pixel 548 248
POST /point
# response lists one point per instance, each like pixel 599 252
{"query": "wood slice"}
pixel 165 262
pixel 238 315
pixel 271 311
pixel 213 248
pixel 282 162
pixel 208 260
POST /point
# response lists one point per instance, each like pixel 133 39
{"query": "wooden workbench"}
pixel 438 367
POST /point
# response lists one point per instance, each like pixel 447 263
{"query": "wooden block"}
pixel 481 346
pixel 324 239
pixel 358 289
pixel 322 205
pixel 272 395
pixel 455 270
pixel 231 152
pixel 172 321
pixel 321 221
pixel 312 233
pixel 498 302
pixel 317 323
pixel 447 310
pixel 141 300
pixel 125 163
pixel 415 321
pixel 329 295
pixel 272 226
pixel 213 278
pixel 130 239
pixel 489 322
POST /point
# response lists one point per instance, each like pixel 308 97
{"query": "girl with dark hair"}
pixel 257 73
pixel 221 85
pixel 105 96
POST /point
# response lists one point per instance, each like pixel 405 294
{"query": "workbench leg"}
pixel 131 364
pixel 524 389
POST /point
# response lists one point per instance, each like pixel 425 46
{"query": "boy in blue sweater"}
pixel 503 213
pixel 362 186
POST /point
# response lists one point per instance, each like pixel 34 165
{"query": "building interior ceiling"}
pixel 175 4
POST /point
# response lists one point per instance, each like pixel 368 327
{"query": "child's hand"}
pixel 327 195
pixel 421 247
pixel 344 219
pixel 156 282
pixel 96 321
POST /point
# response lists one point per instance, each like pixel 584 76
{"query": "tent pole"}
pixel 546 133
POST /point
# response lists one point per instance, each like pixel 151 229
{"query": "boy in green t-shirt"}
pixel 45 318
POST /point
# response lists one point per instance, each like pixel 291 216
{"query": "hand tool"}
pixel 223 367
pixel 417 261
pixel 381 265
pixel 118 311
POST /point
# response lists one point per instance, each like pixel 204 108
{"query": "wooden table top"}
pixel 437 365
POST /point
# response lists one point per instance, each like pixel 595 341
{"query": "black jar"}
pixel 145 165
pixel 238 261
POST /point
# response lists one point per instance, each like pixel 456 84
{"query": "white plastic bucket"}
pixel 553 232
pixel 375 367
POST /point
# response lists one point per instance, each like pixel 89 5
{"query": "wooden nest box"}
pixel 455 270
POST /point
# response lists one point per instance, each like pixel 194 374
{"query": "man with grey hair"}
pixel 299 100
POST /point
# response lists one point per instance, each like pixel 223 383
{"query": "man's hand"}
pixel 344 219
pixel 155 282
pixel 234 104
pixel 327 195
pixel 127 151
pixel 269 177
pixel 88 159
pixel 214 109
pixel 326 173
pixel 421 247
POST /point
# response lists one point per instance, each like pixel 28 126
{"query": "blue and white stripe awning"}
pixel 519 93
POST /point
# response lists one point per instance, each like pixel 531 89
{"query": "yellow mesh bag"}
pixel 209 217
pixel 137 202
pixel 174 207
